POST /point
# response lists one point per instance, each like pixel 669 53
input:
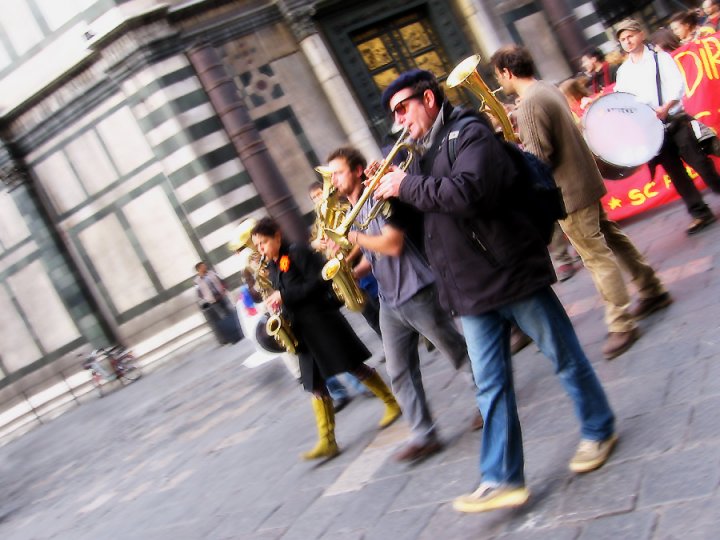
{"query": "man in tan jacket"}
pixel 548 130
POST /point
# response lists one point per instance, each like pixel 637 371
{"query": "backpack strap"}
pixel 657 77
pixel 453 133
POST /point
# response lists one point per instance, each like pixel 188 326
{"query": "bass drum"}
pixel 623 133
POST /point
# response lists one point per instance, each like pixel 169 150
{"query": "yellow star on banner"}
pixel 614 203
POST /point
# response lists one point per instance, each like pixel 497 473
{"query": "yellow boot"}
pixel 326 446
pixel 378 387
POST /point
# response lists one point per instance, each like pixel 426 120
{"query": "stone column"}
pixel 341 99
pixel 567 28
pixel 233 114
pixel 485 28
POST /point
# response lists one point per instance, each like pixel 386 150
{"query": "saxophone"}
pixel 329 213
pixel 276 326
pixel 339 233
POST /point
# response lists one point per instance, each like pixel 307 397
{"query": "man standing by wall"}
pixel 408 302
pixel 492 269
pixel 548 130
pixel 212 296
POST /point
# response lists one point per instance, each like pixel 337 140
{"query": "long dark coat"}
pixel 328 344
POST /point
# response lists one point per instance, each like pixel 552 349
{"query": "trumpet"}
pixel 339 234
pixel 277 326
pixel 465 73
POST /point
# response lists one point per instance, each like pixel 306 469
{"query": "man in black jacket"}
pixel 492 270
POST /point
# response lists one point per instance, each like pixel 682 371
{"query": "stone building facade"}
pixel 119 174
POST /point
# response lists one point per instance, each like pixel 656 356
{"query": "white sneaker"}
pixel 591 455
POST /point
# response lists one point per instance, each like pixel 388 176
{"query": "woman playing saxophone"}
pixel 327 344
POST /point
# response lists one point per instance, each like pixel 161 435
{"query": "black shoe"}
pixel 340 404
pixel 700 223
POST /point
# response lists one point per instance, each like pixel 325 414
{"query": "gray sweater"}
pixel 548 130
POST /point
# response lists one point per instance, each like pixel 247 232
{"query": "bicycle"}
pixel 114 363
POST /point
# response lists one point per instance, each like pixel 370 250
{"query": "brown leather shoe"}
pixel 646 306
pixel 619 342
pixel 477 422
pixel 416 452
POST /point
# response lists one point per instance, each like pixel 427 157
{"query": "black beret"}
pixel 404 80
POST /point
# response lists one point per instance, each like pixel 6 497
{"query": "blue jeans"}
pixel 542 317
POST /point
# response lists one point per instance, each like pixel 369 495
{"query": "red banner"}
pixel 699 62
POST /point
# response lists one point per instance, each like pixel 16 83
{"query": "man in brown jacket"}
pixel 548 130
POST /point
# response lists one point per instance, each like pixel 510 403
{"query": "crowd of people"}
pixel 455 247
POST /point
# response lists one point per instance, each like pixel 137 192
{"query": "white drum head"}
pixel 623 131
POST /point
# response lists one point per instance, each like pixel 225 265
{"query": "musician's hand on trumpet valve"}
pixel 390 184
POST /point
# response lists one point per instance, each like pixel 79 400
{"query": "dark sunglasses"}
pixel 401 107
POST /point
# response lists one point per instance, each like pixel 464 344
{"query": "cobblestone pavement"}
pixel 206 448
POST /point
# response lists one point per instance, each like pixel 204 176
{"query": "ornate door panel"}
pixel 376 41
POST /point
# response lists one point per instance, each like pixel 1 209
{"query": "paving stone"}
pixel 637 395
pixel 548 418
pixel 595 495
pixel 651 434
pixel 711 384
pixel 314 522
pixel 705 422
pixel 289 509
pixel 633 525
pixel 447 523
pixel 684 382
pixel 243 521
pixel 436 485
pixel 400 525
pixel 679 476
pixel 369 504
pixel 696 520
pixel 549 457
pixel 548 533
pixel 344 535
pixel 542 508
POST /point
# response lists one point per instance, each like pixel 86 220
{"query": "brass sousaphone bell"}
pixel 466 74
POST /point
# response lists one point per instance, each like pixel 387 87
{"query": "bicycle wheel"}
pixel 130 373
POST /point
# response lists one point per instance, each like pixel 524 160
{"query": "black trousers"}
pixel 680 144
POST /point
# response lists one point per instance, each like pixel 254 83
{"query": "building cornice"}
pixel 116 56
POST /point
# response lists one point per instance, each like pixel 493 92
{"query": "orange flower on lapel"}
pixel 284 263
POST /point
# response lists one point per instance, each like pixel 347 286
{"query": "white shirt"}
pixel 638 78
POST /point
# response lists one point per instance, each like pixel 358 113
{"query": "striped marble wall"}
pixel 142 182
